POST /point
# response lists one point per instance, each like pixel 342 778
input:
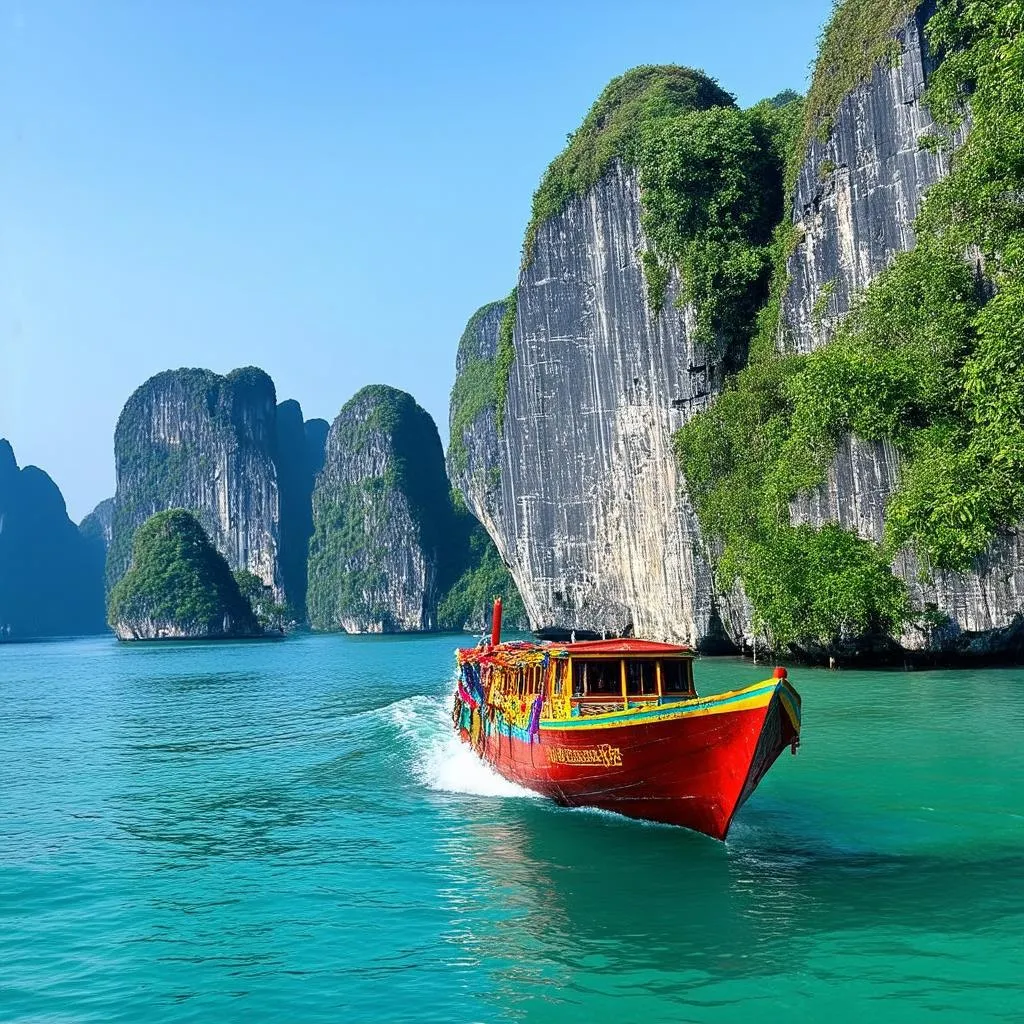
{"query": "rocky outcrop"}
pixel 196 440
pixel 975 613
pixel 580 490
pixel 51 582
pixel 98 525
pixel 859 191
pixel 578 485
pixel 384 546
pixel 179 587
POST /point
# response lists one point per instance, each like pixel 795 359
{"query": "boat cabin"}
pixel 612 675
pixel 568 680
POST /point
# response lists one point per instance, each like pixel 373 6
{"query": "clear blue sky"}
pixel 324 189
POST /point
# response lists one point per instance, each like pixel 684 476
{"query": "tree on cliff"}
pixel 178 585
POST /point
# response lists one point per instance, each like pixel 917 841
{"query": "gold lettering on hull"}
pixel 604 754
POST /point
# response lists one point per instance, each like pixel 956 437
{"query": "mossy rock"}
pixel 178 586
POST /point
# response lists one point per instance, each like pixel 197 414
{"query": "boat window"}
pixel 641 678
pixel 675 676
pixel 593 678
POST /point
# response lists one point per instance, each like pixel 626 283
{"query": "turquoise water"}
pixel 288 832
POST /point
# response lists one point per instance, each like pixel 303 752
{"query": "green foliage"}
pixel 820 307
pixel 612 128
pixel 929 359
pixel 178 579
pixel 269 613
pixel 472 393
pixel 475 386
pixel 469 601
pixel 656 275
pixel 858 36
pixel 767 334
pixel 712 194
pixel 481 383
pixel 347 563
pixel 505 358
pixel 819 587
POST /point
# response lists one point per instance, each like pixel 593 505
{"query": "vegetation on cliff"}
pixel 382 497
pixel 712 193
pixel 857 37
pixel 475 387
pixel 469 600
pixel 929 359
pixel 613 129
pixel 270 614
pixel 178 585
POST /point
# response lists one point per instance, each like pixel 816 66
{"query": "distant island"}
pixel 178 587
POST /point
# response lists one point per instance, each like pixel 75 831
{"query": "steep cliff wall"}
pixel 568 461
pixel 51 582
pixel 859 190
pixel 192 439
pixel 381 553
pixel 580 491
pixel 298 457
pixel 853 479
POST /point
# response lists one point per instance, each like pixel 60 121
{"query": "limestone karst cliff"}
pixel 832 493
pixel 390 551
pixel 221 447
pixel 380 555
pixel 51 582
pixel 571 469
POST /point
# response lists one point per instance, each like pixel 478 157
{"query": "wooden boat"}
pixel 618 724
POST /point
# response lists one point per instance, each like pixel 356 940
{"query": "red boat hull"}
pixel 693 765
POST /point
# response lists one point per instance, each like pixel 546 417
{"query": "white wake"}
pixel 440 760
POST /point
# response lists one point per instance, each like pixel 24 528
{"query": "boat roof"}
pixel 520 652
pixel 625 645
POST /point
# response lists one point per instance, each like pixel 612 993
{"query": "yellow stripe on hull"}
pixel 757 696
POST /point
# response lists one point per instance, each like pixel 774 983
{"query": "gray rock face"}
pixel 581 493
pixel 98 525
pixel 977 612
pixel 381 552
pixel 192 439
pixel 855 219
pixel 858 193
